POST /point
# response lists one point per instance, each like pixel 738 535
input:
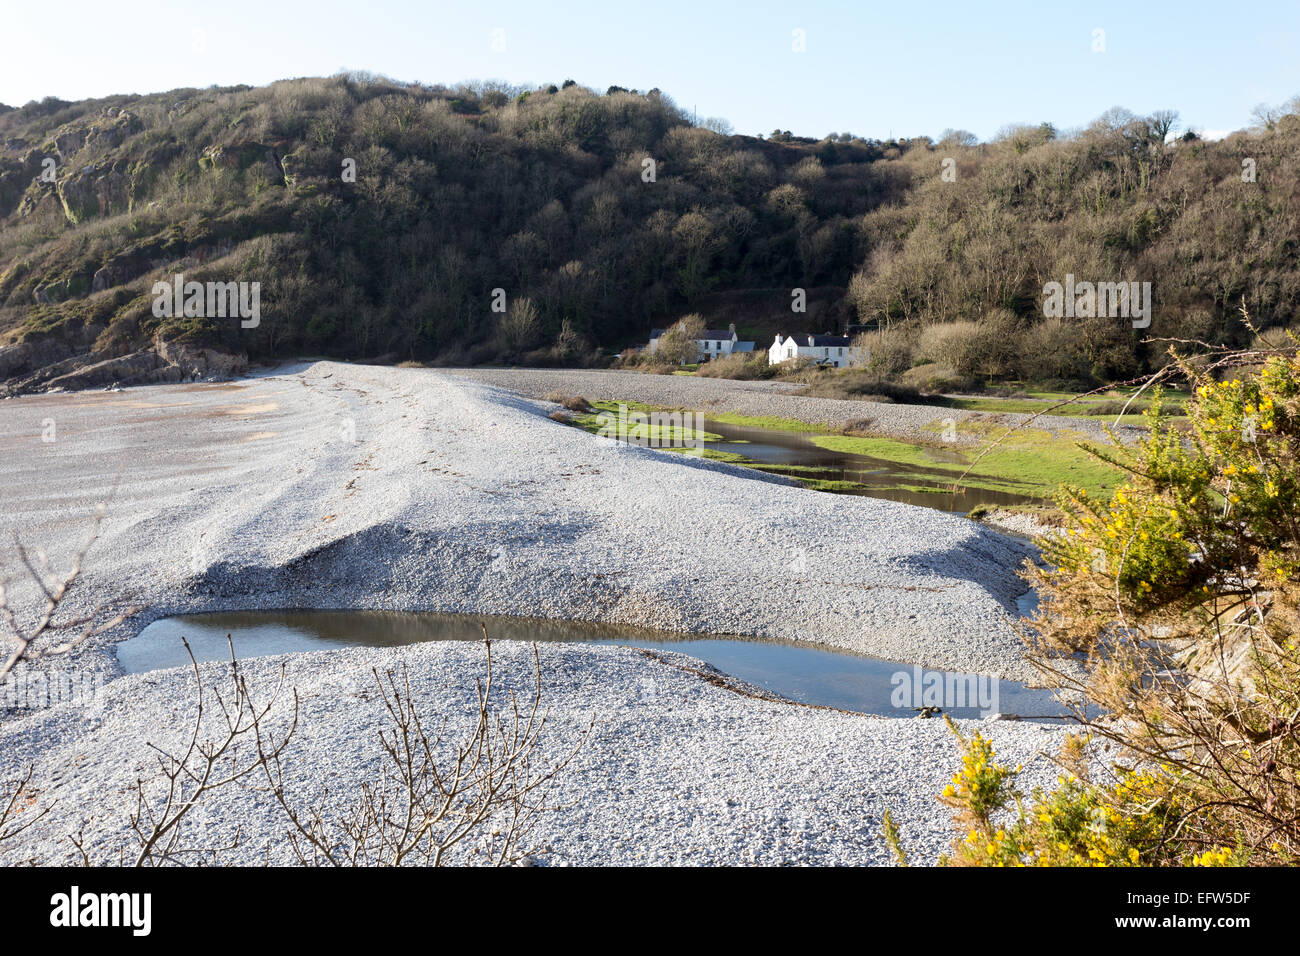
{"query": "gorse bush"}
pixel 1127 822
pixel 1170 609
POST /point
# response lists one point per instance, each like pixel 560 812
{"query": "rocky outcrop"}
pixel 17 177
pixel 108 130
pixel 107 276
pixel 97 189
pixel 24 357
pixel 89 179
pixel 50 364
pixel 60 289
pixel 195 362
pixel 244 155
pixel 38 379
pixel 137 368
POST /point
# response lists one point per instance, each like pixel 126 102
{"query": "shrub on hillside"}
pixel 861 386
pixel 1053 350
pixel 972 349
pixel 740 365
pixel 935 378
pixel 888 351
pixel 574 403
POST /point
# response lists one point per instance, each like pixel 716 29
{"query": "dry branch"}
pixel 437 801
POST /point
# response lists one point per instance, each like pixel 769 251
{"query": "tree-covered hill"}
pixel 1208 224
pixel 596 215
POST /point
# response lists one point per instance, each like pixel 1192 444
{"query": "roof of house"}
pixel 804 340
pixel 722 334
pixel 743 347
pixel 831 341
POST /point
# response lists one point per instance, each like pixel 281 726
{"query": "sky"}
pixel 872 68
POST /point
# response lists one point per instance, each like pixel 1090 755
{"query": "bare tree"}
pixel 678 343
pixel 958 137
pixel 1162 123
pixel 1266 116
pixel 519 327
pixel 479 802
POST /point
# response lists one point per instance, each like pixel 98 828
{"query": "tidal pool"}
pixel 794 453
pixel 802 672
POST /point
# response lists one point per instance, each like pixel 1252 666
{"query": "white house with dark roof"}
pixel 837 351
pixel 713 343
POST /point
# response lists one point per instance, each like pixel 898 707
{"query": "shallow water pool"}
pixel 795 454
pixel 802 672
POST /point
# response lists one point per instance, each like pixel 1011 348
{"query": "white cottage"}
pixel 837 351
pixel 712 343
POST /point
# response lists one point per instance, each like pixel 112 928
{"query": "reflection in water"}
pixel 794 453
pixel 802 672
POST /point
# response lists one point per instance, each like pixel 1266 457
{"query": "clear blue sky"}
pixel 871 68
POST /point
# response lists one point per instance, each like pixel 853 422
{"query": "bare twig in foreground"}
pixel 26 639
pixel 476 799
pixel 18 811
pixel 53 592
pixel 206 766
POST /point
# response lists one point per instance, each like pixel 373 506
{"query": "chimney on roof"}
pixel 731 327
